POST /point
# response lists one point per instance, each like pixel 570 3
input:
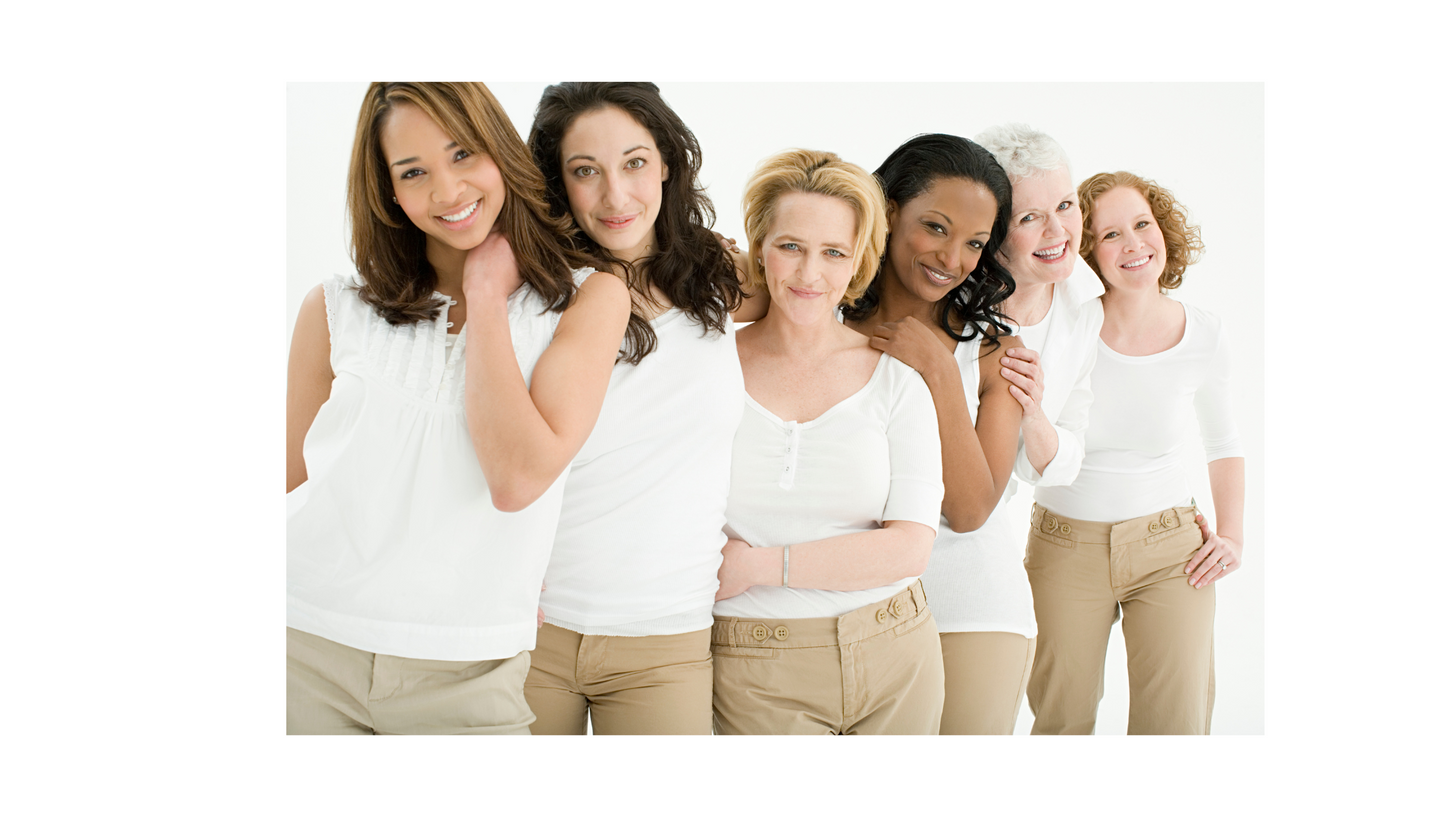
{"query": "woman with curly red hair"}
pixel 1121 541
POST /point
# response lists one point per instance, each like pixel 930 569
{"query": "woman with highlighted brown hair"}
pixel 433 402
pixel 822 626
pixel 629 590
pixel 1122 541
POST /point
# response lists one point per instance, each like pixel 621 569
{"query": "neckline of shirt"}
pixel 857 395
pixel 1183 339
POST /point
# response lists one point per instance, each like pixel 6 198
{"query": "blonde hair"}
pixel 816 171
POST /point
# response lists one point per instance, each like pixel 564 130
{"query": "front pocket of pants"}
pixel 1057 541
pixel 722 651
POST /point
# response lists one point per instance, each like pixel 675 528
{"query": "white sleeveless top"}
pixel 641 533
pixel 976 581
pixel 393 545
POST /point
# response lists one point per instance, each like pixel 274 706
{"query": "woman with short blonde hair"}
pixel 821 625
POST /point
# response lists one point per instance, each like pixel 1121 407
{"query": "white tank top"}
pixel 393 545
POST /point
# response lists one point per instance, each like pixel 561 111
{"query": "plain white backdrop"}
pixel 1205 142
pixel 145 224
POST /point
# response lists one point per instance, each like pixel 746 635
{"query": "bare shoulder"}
pixel 602 300
pixel 312 335
pixel 990 357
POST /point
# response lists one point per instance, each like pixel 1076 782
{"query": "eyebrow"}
pixel 800 240
pixel 408 161
pixel 577 156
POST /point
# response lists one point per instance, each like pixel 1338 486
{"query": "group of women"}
pixel 536 474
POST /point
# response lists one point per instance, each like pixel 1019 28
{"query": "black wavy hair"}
pixel 971 308
pixel 689 264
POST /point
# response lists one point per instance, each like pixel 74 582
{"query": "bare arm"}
pixel 1226 545
pixel 976 461
pixel 308 380
pixel 755 299
pixel 853 561
pixel 524 439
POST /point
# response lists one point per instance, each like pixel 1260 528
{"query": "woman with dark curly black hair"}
pixel 1122 541
pixel 629 590
pixel 934 306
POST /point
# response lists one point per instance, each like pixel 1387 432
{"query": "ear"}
pixel 890 215
pixel 664 171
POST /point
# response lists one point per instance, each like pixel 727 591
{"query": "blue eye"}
pixel 1064 205
pixel 1027 218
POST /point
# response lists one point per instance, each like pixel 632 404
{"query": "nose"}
pixel 1054 227
pixel 447 186
pixel 950 253
pixel 810 269
pixel 613 194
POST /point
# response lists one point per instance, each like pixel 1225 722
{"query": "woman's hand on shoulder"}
pixel 1021 368
pixel 491 268
pixel 913 343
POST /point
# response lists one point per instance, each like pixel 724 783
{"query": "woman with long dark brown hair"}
pixel 433 402
pixel 634 568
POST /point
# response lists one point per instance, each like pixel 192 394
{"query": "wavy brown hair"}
pixel 390 252
pixel 689 264
pixel 1182 244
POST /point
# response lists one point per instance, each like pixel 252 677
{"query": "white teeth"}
pixel 936 276
pixel 1136 264
pixel 462 215
pixel 1049 255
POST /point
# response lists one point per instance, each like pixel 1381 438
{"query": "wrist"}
pixel 765 567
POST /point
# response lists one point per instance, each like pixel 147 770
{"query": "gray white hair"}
pixel 1022 150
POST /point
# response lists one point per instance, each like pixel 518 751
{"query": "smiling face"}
pixel 807 256
pixel 936 239
pixel 613 173
pixel 1129 249
pixel 1044 231
pixel 450 193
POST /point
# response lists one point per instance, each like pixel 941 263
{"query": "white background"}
pixel 1206 145
pixel 144 222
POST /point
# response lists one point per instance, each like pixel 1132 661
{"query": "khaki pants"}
pixel 332 689
pixel 985 675
pixel 877 670
pixel 633 685
pixel 1086 576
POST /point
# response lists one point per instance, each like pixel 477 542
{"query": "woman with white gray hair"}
pixel 979 590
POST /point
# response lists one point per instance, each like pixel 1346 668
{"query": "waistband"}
pixel 795 633
pixel 1050 524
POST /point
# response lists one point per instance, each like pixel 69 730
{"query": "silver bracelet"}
pixel 785 564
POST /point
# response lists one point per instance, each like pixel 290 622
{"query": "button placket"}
pixel 790 456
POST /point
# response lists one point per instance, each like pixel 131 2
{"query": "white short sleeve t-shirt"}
pixel 873 457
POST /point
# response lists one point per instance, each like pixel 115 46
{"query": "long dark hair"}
pixel 971 308
pixel 390 252
pixel 689 265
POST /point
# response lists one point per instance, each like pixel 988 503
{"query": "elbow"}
pixel 511 496
pixel 963 517
pixel 918 561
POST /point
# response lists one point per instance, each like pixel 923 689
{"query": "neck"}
pixel 805 341
pixel 1125 307
pixel 632 255
pixel 1029 303
pixel 448 262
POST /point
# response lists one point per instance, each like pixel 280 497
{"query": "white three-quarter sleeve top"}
pixel 1139 424
pixel 871 458
pixel 393 545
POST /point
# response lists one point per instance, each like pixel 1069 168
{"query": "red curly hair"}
pixel 1182 244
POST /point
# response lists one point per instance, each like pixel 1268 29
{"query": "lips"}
pixel 1052 254
pixel 462 217
pixel 937 276
pixel 804 293
pixel 1133 265
pixel 618 222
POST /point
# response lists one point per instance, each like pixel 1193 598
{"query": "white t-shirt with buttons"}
pixel 872 458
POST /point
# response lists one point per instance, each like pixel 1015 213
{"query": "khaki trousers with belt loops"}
pixel 1087 575
pixel 877 670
